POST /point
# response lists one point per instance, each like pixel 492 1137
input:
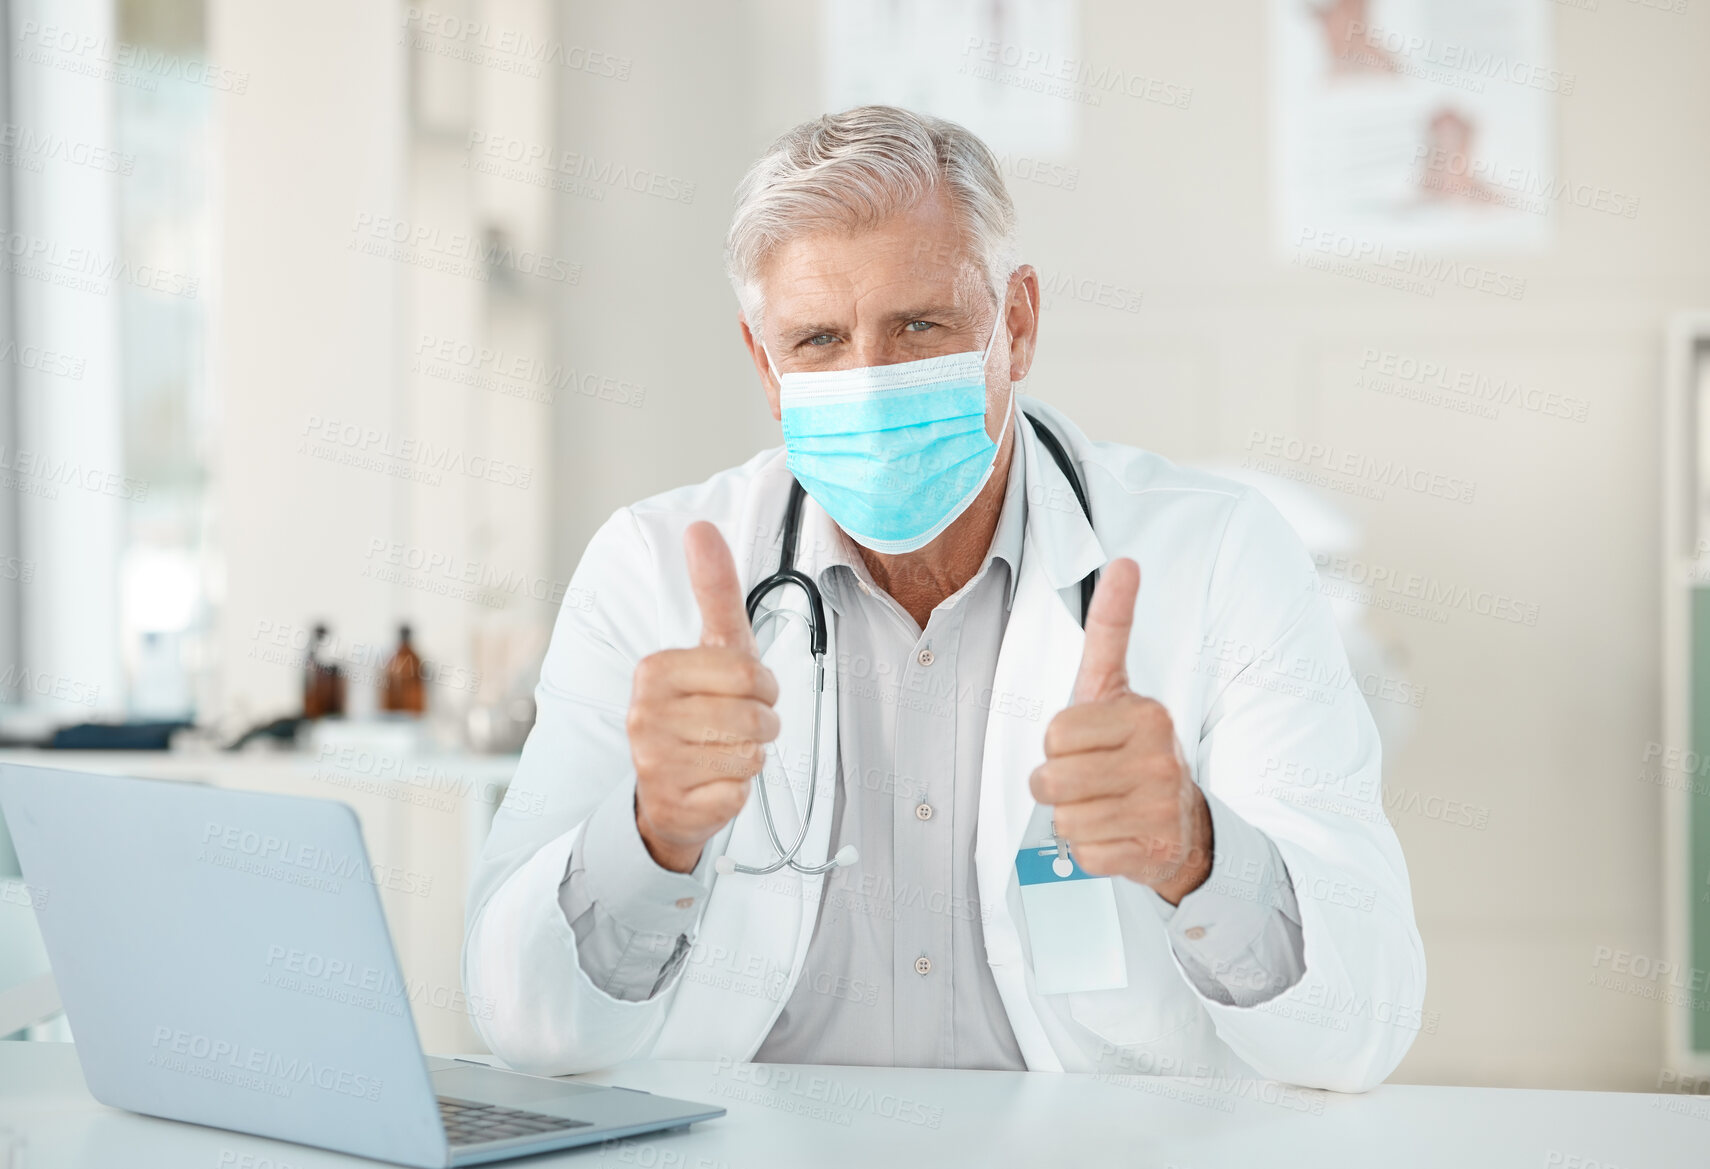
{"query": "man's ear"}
pixel 1022 308
pixel 758 355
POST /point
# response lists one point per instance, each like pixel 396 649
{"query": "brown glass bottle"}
pixel 323 682
pixel 401 689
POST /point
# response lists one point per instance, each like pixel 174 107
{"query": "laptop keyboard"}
pixel 469 1123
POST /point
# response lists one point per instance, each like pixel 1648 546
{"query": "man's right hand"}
pixel 699 719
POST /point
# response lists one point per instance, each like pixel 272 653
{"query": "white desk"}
pixel 822 1118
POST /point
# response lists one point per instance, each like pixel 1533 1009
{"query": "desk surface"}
pixel 826 1117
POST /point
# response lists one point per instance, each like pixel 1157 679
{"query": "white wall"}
pixel 354 122
pixel 305 326
pixel 1544 726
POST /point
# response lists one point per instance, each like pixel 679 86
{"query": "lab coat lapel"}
pixel 1035 675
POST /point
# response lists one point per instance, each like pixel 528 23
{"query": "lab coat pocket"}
pixel 1139 1014
pixel 1156 1002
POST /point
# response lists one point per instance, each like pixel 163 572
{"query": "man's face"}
pixel 905 289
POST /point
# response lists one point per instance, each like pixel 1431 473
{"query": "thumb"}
pixel 1110 619
pixel 718 592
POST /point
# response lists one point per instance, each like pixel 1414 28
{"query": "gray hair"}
pixel 859 167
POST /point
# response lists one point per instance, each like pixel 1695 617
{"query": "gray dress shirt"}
pixel 896 971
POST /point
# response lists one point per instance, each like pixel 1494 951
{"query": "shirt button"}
pixel 923 965
pixel 1194 934
pixel 924 657
pixel 923 811
pixel 685 902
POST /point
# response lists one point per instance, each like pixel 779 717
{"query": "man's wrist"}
pixel 1195 869
pixel 677 858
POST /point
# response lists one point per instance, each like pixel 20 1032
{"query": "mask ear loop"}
pixel 990 341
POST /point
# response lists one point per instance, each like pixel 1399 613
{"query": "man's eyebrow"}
pixel 929 312
pixel 795 334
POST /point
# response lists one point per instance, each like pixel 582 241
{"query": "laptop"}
pixel 223 959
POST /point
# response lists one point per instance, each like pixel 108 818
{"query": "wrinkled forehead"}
pixel 923 254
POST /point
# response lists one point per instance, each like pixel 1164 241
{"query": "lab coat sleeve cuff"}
pixel 626 882
pixel 1239 932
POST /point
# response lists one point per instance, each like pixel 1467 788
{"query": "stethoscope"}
pixel 787 574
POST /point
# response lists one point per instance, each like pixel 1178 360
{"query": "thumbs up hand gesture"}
pixel 699 719
pixel 1114 772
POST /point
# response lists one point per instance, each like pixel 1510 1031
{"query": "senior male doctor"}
pixel 1149 843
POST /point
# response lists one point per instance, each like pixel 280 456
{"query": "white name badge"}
pixel 1072 925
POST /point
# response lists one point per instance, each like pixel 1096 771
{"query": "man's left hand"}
pixel 1114 772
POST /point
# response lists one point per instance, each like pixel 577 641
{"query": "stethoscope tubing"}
pixel 788 856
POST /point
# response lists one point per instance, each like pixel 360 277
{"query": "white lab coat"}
pixel 1230 634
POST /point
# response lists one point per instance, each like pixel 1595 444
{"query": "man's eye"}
pixel 918 326
pixel 821 339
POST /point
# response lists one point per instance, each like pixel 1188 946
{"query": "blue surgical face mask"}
pixel 893 453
